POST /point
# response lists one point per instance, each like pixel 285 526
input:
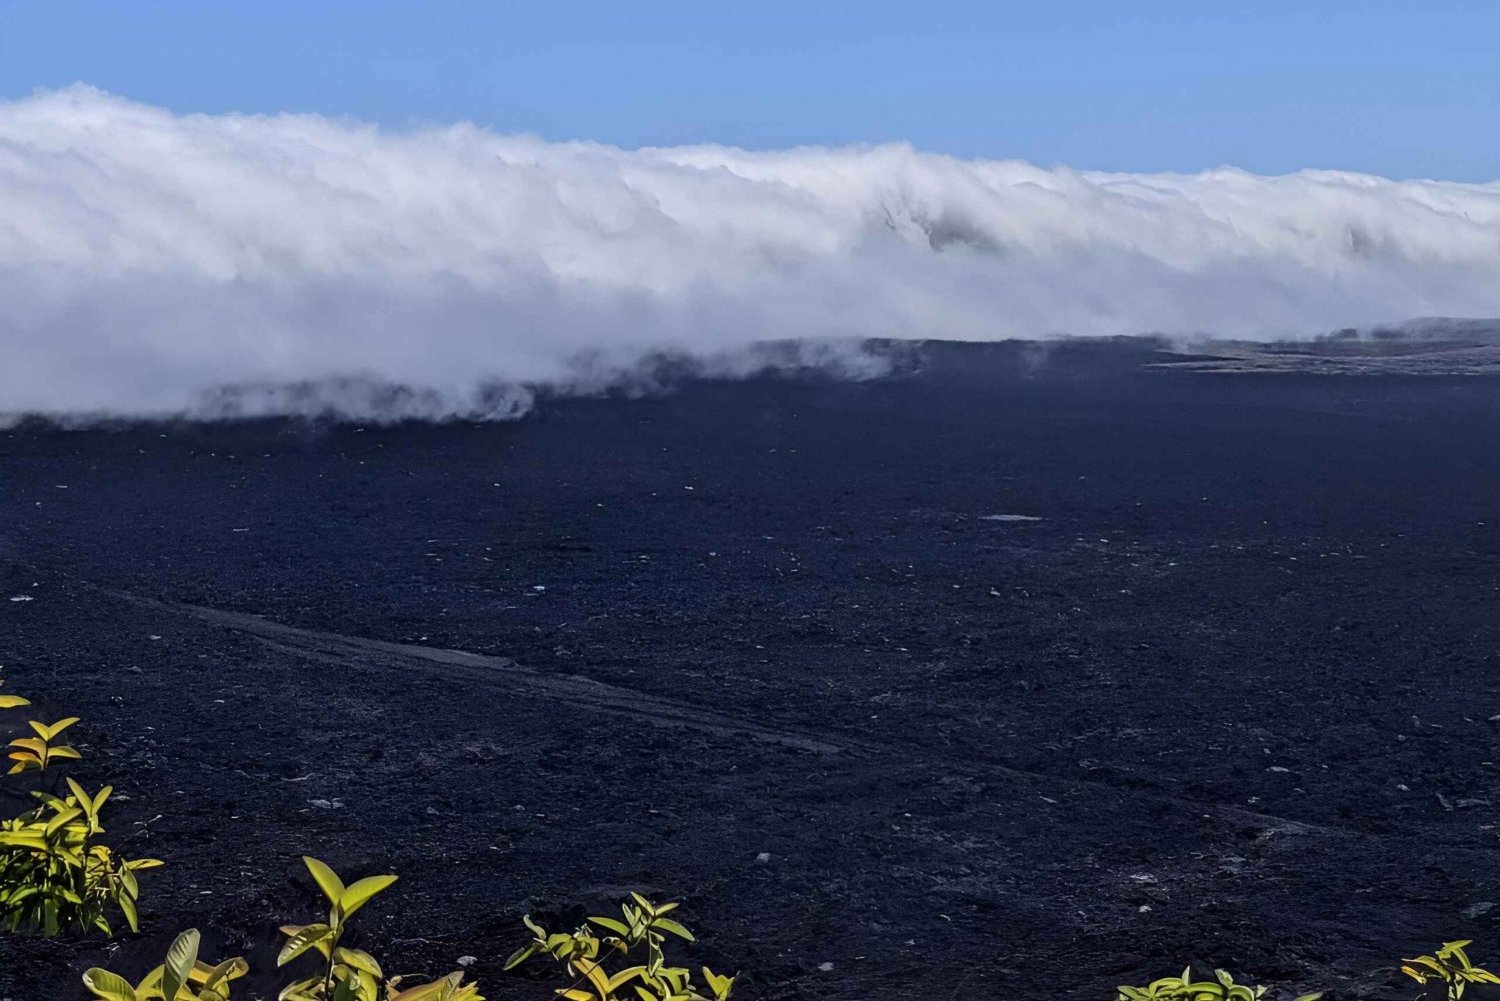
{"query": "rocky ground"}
pixel 1025 675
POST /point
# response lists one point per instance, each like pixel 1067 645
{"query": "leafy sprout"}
pixel 1452 966
pixel 183 977
pixel 636 941
pixel 347 974
pixel 38 752
pixel 1184 988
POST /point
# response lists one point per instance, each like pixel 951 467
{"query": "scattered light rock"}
pixel 763 857
pixel 22 597
pixel 467 960
pixel 825 967
pixel 327 804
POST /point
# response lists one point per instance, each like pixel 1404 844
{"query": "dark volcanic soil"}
pixel 1228 700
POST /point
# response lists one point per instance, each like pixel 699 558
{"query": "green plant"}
pixel 38 752
pixel 350 974
pixel 340 965
pixel 1185 988
pixel 636 940
pixel 449 988
pixel 345 975
pixel 1451 965
pixel 55 873
pixel 183 977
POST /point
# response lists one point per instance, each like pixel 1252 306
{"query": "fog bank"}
pixel 150 260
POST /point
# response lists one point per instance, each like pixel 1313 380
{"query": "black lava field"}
pixel 1018 674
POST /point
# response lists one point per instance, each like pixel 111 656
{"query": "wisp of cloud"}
pixel 153 263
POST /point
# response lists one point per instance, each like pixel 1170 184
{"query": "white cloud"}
pixel 146 257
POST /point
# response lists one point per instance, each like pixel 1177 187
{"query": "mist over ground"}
pixel 153 263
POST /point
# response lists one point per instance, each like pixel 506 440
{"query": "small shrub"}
pixel 340 965
pixel 38 752
pixel 55 873
pixel 1185 988
pixel 636 941
pixel 1451 965
pixel 344 975
pixel 183 977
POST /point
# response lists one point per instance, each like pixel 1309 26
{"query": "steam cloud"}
pixel 155 263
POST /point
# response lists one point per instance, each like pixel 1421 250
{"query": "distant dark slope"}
pixel 1430 346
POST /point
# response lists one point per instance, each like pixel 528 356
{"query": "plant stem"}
pixel 328 975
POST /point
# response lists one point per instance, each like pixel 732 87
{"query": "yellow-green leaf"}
pixel 212 976
pixel 107 985
pixel 358 960
pixel 618 927
pixel 181 955
pixel 127 908
pixel 359 894
pixel 327 880
pixel 300 988
pixel 84 799
pixel 51 732
pixel 302 940
pixel 668 925
pixel 63 818
pixel 438 990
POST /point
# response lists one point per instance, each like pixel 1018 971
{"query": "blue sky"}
pixel 1404 90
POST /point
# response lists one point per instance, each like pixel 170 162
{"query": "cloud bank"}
pixel 150 260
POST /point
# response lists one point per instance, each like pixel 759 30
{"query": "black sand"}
pixel 1228 700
